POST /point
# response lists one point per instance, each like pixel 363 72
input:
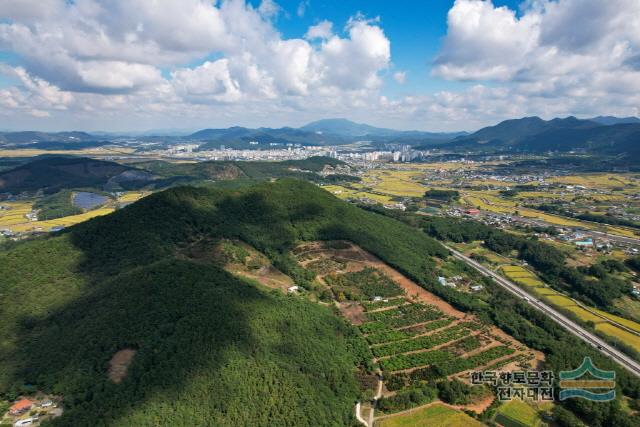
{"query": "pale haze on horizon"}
pixel 123 65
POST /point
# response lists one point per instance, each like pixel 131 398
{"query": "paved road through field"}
pixel 577 330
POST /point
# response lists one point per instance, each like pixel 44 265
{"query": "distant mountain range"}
pixel 50 141
pixel 610 120
pixel 27 137
pixel 347 128
pixel 533 134
pixel 602 134
pixel 321 132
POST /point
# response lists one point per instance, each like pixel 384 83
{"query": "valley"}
pixel 345 251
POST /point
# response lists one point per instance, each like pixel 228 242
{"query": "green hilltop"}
pixel 211 349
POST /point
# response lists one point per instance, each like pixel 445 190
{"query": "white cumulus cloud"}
pixel 322 30
pixel 156 55
pixel 557 57
pixel 136 63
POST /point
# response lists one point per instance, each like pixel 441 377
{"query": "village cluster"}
pixel 31 411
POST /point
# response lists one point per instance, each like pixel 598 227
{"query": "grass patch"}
pixel 560 300
pixel 517 413
pixel 584 315
pixel 435 415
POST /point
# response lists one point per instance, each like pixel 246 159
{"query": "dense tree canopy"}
pixel 210 348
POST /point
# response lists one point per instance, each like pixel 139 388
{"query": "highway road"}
pixel 598 343
pixel 615 238
pixel 589 233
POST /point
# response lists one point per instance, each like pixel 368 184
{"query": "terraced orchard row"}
pixel 406 336
pixel 414 337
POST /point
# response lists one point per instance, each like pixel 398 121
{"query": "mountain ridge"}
pixel 612 120
pixel 534 134
pixel 601 134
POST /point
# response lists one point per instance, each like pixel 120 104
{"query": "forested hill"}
pixel 272 217
pixel 211 349
pixel 54 173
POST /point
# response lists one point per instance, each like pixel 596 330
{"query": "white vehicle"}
pixel 25 422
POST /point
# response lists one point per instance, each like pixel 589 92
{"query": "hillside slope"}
pixel 246 170
pixel 210 348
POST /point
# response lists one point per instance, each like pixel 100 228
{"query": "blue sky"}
pixel 433 65
pixel 415 28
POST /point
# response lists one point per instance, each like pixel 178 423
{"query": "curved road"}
pixel 577 330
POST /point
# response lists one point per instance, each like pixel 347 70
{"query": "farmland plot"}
pixel 414 336
pixel 617 327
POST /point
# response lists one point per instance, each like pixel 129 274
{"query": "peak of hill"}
pixel 348 129
pixel 235 131
pixel 345 127
pixel 269 216
pixel 512 130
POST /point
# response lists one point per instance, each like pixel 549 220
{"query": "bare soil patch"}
pixel 267 275
pixel 119 364
pixel 354 312
pixel 357 259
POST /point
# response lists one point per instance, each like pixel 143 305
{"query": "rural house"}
pixel 20 407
